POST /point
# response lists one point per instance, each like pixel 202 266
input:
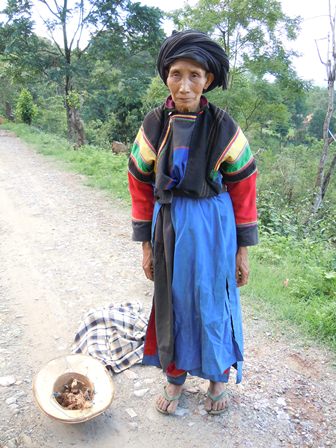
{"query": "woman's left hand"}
pixel 242 267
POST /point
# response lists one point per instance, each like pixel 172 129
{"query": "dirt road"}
pixel 65 248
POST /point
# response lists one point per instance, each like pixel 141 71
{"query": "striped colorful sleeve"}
pixel 140 180
pixel 239 172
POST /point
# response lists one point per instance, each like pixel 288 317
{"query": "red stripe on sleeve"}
pixel 142 199
pixel 243 196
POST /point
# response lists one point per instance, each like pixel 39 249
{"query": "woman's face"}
pixel 186 81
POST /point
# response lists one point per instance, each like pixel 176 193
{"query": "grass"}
pixel 294 281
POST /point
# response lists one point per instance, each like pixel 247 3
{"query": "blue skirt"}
pixel 208 336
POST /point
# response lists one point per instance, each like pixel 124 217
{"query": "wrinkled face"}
pixel 186 81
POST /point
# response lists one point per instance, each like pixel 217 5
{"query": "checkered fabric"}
pixel 113 334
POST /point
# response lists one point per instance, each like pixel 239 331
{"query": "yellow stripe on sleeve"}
pixel 146 152
pixel 236 148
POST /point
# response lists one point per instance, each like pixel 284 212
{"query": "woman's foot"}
pixel 168 401
pixel 216 401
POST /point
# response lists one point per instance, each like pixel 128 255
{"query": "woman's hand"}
pixel 147 260
pixel 242 267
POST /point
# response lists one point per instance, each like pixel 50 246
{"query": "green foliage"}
pixel 155 95
pixel 128 113
pixel 51 115
pixel 143 25
pixel 119 72
pixel 315 126
pixel 256 104
pixel 316 108
pixel 101 90
pixel 264 91
pixel 120 121
pixel 251 31
pixel 11 92
pixel 298 280
pixel 73 99
pixel 98 132
pixel 120 31
pixel 26 110
pixel 285 187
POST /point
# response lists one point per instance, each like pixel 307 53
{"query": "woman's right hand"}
pixel 147 260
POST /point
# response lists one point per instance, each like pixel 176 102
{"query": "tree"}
pixel 119 69
pixel 6 95
pixel 251 32
pixel 256 104
pixel 122 18
pixel 324 176
pixel 263 88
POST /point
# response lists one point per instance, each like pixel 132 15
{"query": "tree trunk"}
pixel 67 90
pixel 328 176
pixel 320 178
pixel 77 127
pixel 71 134
pixel 74 123
pixel 76 132
pixel 8 111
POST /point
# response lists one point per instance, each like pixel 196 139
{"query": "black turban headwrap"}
pixel 199 47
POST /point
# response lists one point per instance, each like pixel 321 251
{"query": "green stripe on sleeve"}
pixel 243 160
pixel 142 165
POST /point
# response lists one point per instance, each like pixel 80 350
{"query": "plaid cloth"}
pixel 113 334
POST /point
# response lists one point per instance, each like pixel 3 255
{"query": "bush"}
pixel 26 110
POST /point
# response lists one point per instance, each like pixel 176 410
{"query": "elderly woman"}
pixel 192 180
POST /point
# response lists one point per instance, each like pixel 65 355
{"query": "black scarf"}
pixel 199 47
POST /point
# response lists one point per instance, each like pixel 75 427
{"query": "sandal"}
pixel 168 398
pixel 214 399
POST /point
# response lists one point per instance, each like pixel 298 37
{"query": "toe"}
pixel 207 405
pixel 171 408
pixel 169 405
pixel 161 403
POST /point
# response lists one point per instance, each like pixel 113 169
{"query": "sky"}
pixel 315 26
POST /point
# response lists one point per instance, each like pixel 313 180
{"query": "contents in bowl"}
pixel 75 395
